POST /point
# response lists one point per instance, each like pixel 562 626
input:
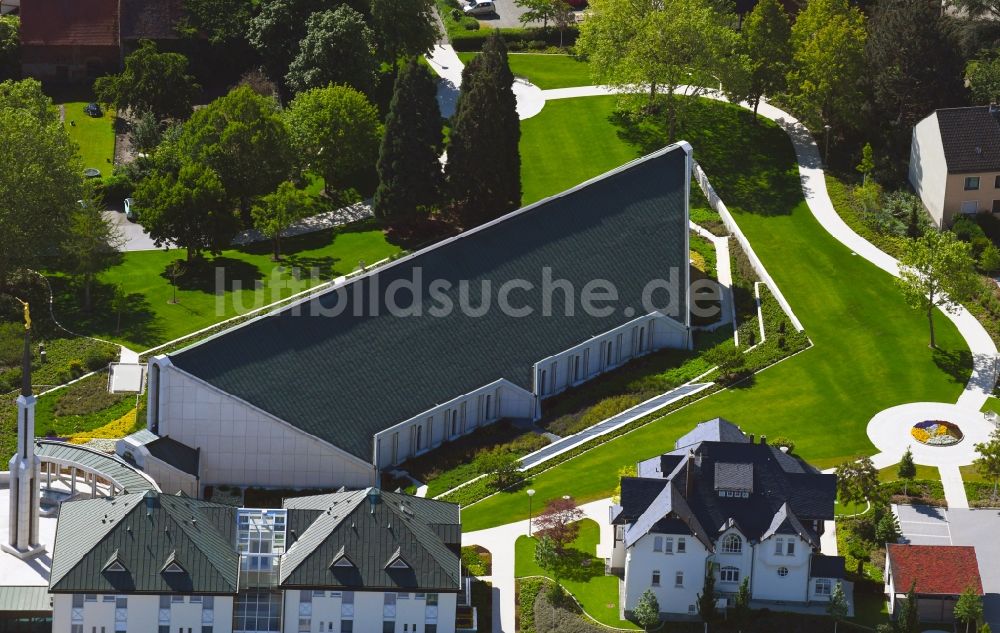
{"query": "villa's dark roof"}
pixel 180 456
pixel 971 139
pixel 369 530
pixel 716 430
pixel 826 566
pixel 786 494
pixel 344 378
pixel 143 533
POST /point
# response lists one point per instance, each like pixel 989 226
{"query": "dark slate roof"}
pixel 971 139
pixel 734 476
pixel 344 378
pixel 69 23
pixel 787 494
pixel 180 456
pixel 658 466
pixel 936 569
pixel 371 536
pixel 143 532
pixel 821 566
pixel 717 430
pixel 150 19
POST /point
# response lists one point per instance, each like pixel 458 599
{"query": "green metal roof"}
pixel 22 600
pixel 343 378
pixel 110 466
pixel 143 532
pixel 371 536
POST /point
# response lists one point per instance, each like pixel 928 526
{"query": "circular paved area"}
pixel 889 430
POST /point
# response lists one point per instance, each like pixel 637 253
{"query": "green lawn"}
pixel 870 349
pixel 95 137
pixel 546 71
pixel 582 574
pixel 151 319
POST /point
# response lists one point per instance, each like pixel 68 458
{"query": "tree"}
pixel 243 138
pixel 969 607
pixel 119 303
pixel 188 209
pixel 857 481
pixel 10 47
pixel 146 132
pixel 335 132
pixel 337 49
pixel 175 270
pixel 766 44
pixel 500 465
pixel 730 360
pixel 538 11
pixel 707 609
pixel 484 162
pixel 837 607
pixel 887 530
pixel 907 470
pixel 867 164
pixel 221 21
pixel 908 620
pixel 988 462
pixel 828 40
pixel 647 610
pixel 409 171
pixel 153 81
pixel 989 259
pixel 277 29
pixel 936 271
pixel 275 212
pixel 741 607
pixel 559 521
pixel 403 28
pixel 562 18
pixel 676 47
pixel 979 8
pixel 40 182
pixel 547 556
pixel 91 245
pixel 983 76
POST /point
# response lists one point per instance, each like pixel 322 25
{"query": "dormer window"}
pixel 732 544
pixel 172 565
pixel 340 560
pixel 114 564
pixel 733 480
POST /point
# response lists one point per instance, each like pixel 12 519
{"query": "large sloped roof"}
pixel 971 139
pixel 936 569
pixel 343 378
pixel 366 531
pixel 143 532
pixel 69 23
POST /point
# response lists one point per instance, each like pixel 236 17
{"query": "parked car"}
pixel 130 211
pixel 577 4
pixel 94 110
pixel 480 7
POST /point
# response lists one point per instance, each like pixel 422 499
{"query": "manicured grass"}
pixel 546 71
pixel 870 349
pixel 151 319
pixel 930 473
pixel 94 136
pixel 582 574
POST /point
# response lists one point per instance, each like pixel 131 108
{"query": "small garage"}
pixel 938 575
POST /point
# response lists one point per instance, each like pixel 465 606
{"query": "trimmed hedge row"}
pixel 516 39
pixel 527 592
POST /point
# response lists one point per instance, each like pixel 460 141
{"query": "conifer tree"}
pixel 409 171
pixel 484 162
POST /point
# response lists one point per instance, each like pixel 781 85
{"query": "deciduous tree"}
pixel 837 607
pixel 91 244
pixel 936 271
pixel 337 49
pixel 647 610
pixel 335 132
pixel 409 170
pixel 278 28
pixel 484 161
pixel 221 21
pixel 559 522
pixel 766 45
pixel 983 76
pixel 152 81
pixel 547 556
pixel 278 210
pixel 857 481
pixel 887 530
pixel 500 465
pixel 10 47
pixel 988 460
pixel 403 28
pixel 969 608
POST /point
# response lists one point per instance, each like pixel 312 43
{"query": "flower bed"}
pixel 936 433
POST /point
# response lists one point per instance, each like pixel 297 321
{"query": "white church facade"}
pixel 722 504
pixel 329 391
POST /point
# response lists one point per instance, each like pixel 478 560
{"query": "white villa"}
pixel 724 503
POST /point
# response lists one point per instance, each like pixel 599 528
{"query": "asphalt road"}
pixel 136 237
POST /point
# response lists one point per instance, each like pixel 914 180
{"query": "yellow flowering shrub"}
pixel 920 435
pixel 115 429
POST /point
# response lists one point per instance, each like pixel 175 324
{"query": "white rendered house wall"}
pixel 675 576
pixel 781 576
pixel 321 611
pixel 110 613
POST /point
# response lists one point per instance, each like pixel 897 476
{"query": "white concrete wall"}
pixel 579 364
pixel 468 412
pixel 368 612
pixel 143 614
pixel 766 584
pixel 641 560
pixel 742 561
pixel 170 479
pixel 928 172
pixel 241 444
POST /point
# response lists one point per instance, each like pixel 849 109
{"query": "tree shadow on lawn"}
pixel 138 321
pixel 955 363
pixel 751 165
pixel 205 274
pixel 578 566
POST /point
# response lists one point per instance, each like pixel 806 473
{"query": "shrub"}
pixel 11 344
pixel 115 188
pixel 75 368
pixel 887 530
pixel 781 440
pixel 469 23
pixel 98 358
pixel 528 589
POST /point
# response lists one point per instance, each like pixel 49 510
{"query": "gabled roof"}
pixel 145 534
pixel 936 569
pixel 785 522
pixel 628 227
pixel 69 23
pixel 374 532
pixel 668 506
pixel 716 430
pixel 970 138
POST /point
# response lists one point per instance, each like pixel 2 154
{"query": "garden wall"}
pixel 727 218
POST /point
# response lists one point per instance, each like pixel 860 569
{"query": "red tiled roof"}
pixel 937 569
pixel 69 23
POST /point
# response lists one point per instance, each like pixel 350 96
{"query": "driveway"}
pixel 507 16
pixel 957 526
pixel 136 237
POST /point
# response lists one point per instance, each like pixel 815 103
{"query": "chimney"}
pixel 751 438
pixel 763 439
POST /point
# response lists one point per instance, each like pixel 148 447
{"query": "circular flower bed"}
pixel 936 433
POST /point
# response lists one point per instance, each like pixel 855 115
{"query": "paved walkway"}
pixel 723 274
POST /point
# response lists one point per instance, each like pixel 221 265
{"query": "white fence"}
pixel 727 218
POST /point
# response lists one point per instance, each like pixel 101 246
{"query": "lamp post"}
pixel 531 493
pixel 826 149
